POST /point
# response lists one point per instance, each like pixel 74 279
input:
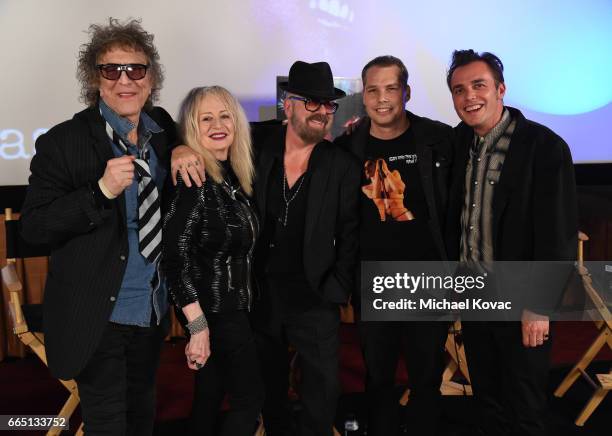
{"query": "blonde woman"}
pixel 210 233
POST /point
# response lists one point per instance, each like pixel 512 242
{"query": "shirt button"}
pixel 476 182
pixel 112 298
pixel 122 257
pixel 271 245
pixel 91 224
pixel 471 249
pixel 437 164
pixel 473 204
pixel 471 227
pixel 491 182
pixel 478 159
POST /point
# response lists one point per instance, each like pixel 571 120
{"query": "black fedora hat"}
pixel 312 80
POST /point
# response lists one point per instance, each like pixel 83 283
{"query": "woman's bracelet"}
pixel 197 325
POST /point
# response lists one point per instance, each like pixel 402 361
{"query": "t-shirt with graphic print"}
pixel 394 216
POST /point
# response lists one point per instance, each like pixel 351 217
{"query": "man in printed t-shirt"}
pixel 406 169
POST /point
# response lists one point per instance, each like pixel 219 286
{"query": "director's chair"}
pixel 27 319
pixel 457 362
pixel 603 321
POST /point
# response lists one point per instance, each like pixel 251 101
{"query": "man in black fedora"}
pixel 307 193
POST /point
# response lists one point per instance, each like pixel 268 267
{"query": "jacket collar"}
pixel 513 168
pixel 319 166
pixel 123 126
pixel 424 135
pixel 514 162
pixel 102 146
pixel 271 149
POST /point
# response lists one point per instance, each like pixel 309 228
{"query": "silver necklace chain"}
pixel 302 177
pixel 232 190
pixel 228 182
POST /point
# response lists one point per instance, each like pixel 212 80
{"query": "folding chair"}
pixel 603 322
pixel 22 315
pixel 456 362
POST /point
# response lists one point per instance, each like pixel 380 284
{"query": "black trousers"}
pixel 117 386
pixel 314 335
pixel 422 344
pixel 509 381
pixel 232 368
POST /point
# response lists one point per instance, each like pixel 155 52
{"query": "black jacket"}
pixel 435 148
pixel 89 243
pixel 209 238
pixel 535 215
pixel 332 218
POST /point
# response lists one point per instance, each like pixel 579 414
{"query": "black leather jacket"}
pixel 209 235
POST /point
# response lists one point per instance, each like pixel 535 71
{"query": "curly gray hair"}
pixel 103 39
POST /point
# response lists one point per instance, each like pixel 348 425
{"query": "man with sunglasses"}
pixel 306 192
pixel 94 197
pixel 406 171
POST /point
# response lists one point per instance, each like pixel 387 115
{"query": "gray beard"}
pixel 306 134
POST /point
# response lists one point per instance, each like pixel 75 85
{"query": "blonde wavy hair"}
pixel 240 152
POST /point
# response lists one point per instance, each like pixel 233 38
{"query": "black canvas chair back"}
pixel 27 318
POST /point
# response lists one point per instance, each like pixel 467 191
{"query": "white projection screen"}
pixel 557 54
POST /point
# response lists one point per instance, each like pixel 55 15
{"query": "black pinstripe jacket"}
pixel 89 243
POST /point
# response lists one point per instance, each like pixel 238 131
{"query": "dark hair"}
pixel 463 57
pixel 387 61
pixel 107 37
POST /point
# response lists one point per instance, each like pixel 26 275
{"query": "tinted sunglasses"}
pixel 312 106
pixel 113 71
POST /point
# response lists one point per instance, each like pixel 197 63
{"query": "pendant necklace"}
pixel 228 181
pixel 287 201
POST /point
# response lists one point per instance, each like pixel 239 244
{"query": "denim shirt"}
pixel 142 288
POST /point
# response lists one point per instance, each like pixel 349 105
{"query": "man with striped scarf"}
pixel 94 197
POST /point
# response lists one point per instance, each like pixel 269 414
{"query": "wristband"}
pixel 197 325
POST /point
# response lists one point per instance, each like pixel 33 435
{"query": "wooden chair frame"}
pixel 34 340
pixel 603 322
pixel 457 362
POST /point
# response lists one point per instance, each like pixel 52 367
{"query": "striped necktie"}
pixel 149 212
